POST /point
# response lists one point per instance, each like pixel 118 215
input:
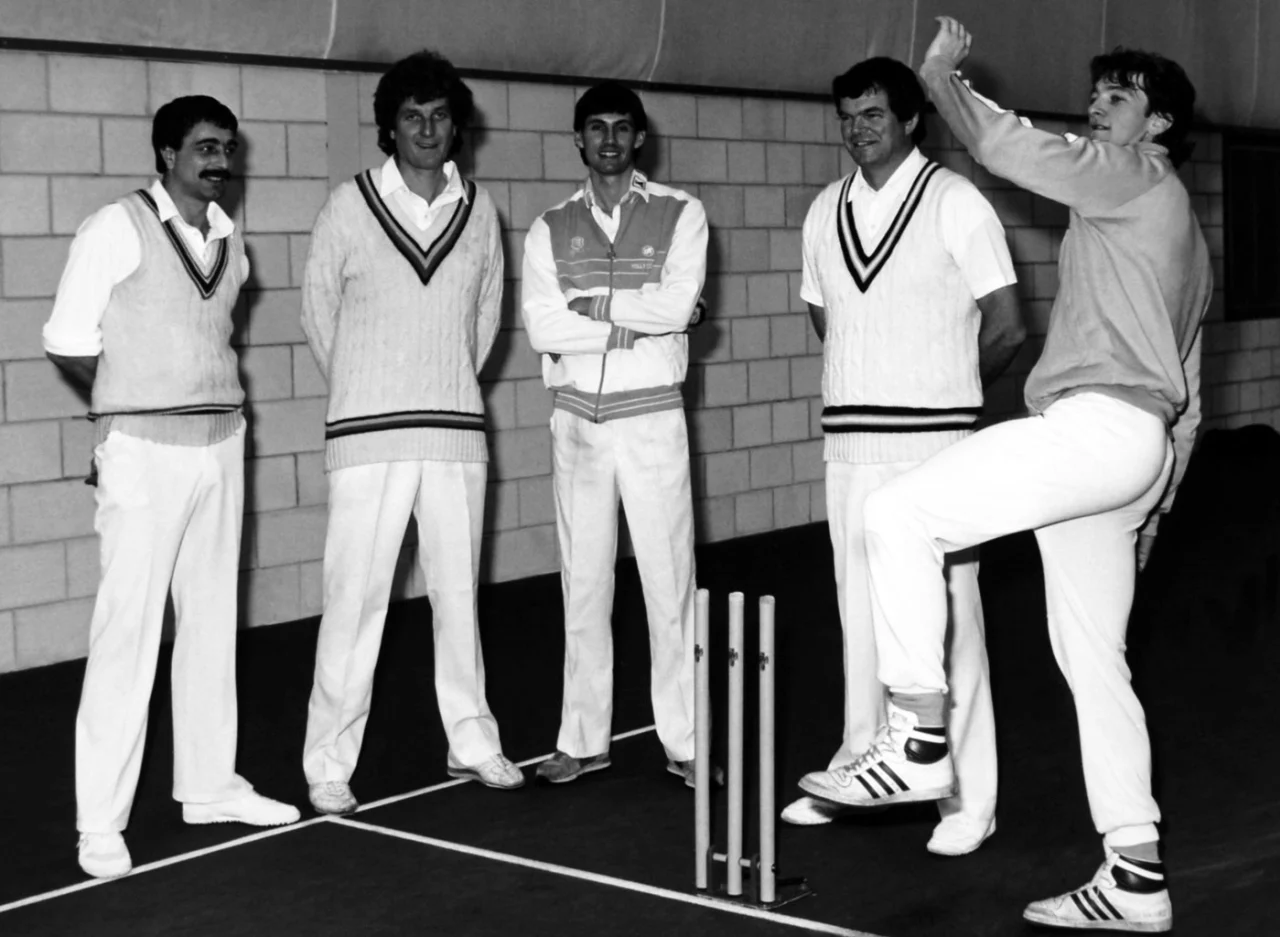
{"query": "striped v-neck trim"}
pixel 207 284
pixel 864 267
pixel 424 262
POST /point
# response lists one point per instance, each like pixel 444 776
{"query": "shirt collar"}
pixel 902 178
pixel 639 188
pixel 220 225
pixel 391 181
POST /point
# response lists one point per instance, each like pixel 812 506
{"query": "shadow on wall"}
pixel 1214 572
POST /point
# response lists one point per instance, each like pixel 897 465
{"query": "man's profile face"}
pixel 609 143
pixel 1121 115
pixel 201 167
pixel 871 132
pixel 424 134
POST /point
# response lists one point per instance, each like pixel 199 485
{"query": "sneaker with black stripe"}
pixel 1125 895
pixel 907 763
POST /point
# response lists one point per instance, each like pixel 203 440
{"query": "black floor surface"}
pixel 1206 670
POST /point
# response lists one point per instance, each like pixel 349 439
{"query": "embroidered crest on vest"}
pixel 424 262
pixel 207 285
pixel 864 267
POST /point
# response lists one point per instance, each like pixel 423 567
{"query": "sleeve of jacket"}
pixel 552 326
pixel 670 307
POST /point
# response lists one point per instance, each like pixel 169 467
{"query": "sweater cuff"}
pixel 599 308
pixel 621 337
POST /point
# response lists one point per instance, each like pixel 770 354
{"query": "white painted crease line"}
pixel 261 834
pixel 444 785
pixel 161 863
pixel 595 877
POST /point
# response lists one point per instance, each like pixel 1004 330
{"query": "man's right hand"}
pixel 952 42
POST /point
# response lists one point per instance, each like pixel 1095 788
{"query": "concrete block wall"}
pixel 75 131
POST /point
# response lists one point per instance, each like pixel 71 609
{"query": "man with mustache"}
pixel 611 281
pixel 401 303
pixel 1084 470
pixel 142 320
pixel 910 285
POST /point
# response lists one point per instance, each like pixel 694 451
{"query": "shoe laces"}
pixel 882 746
pixel 334 788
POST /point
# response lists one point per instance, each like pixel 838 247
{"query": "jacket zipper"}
pixel 604 360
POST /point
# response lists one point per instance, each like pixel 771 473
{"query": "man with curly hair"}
pixel 400 304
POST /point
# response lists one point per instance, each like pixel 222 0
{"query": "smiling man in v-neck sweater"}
pixel 143 318
pixel 910 285
pixel 400 304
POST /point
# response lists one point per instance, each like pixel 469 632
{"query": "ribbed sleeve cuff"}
pixel 599 308
pixel 621 337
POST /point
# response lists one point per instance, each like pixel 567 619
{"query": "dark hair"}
pixel 1169 91
pixel 897 81
pixel 609 97
pixel 174 121
pixel 422 77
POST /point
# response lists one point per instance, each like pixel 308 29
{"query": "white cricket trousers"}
pixel 971 726
pixel 167 517
pixel 1084 475
pixel 369 509
pixel 645 461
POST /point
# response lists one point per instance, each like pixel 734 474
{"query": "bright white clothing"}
pixel 369 508
pixel 420 212
pixel 166 515
pixel 105 251
pixel 644 461
pixel 971 722
pixel 1084 474
pixel 899 286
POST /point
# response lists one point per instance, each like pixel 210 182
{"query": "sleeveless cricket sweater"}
pixel 900 378
pixel 167 371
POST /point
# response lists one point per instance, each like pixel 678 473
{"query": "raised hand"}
pixel 952 42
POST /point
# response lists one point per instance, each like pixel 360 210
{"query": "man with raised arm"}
pixel 910 285
pixel 143 319
pixel 1083 471
pixel 400 303
pixel 611 279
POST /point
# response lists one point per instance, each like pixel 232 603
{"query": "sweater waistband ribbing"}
pixel 877 419
pixel 404 419
pixel 618 405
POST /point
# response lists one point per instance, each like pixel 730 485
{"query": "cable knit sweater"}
pixel 401 355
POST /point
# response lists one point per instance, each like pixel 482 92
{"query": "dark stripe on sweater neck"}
pixel 424 262
pixel 864 267
pixel 207 285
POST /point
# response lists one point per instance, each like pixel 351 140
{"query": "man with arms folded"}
pixel 611 278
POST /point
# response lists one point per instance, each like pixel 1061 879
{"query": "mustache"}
pixel 219 174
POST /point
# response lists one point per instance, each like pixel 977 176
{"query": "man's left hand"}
pixel 952 42
pixel 581 305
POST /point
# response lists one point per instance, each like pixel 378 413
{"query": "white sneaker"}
pixel 497 772
pixel 251 808
pixel 958 835
pixel 333 797
pixel 810 811
pixel 104 855
pixel 1124 895
pixel 906 763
